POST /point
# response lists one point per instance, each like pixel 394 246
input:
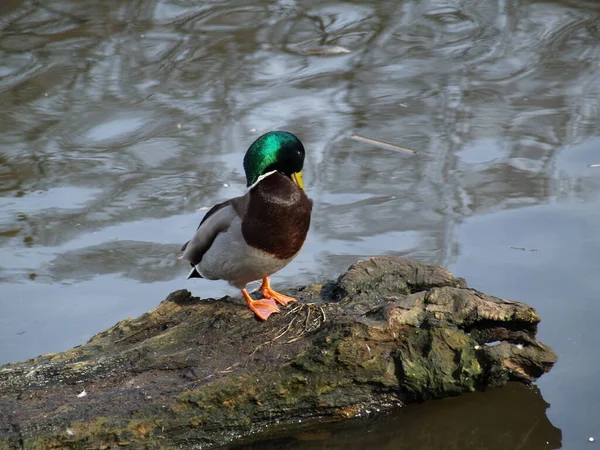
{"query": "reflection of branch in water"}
pixel 142 261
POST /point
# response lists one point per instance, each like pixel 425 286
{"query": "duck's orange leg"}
pixel 270 293
pixel 262 308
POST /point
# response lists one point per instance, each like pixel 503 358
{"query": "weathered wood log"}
pixel 199 372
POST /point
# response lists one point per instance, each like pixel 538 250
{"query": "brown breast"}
pixel 278 216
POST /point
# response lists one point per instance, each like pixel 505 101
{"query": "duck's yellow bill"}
pixel 297 177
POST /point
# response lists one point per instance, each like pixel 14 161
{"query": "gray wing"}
pixel 217 220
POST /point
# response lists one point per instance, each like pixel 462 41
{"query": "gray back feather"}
pixel 216 221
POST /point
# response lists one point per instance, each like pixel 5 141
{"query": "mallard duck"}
pixel 251 237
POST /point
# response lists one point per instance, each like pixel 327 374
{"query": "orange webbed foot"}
pixel 271 294
pixel 261 308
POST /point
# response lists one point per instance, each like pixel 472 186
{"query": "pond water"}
pixel 119 120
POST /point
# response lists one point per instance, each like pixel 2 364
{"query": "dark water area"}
pixel 513 417
pixel 119 120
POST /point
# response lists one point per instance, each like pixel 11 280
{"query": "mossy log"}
pixel 195 373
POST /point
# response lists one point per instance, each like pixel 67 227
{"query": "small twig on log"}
pixel 287 328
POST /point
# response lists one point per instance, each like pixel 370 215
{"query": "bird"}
pixel 249 238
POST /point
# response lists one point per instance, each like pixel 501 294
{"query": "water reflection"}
pixel 513 417
pixel 151 103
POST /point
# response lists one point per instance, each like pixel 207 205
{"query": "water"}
pixel 509 418
pixel 120 119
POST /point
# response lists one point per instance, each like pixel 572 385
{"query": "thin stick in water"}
pixel 381 144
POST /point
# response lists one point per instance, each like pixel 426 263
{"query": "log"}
pixel 195 373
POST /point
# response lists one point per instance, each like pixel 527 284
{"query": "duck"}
pixel 251 237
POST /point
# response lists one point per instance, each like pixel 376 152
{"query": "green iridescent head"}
pixel 275 150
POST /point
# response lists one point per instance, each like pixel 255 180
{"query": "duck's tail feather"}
pixel 194 273
pixel 180 255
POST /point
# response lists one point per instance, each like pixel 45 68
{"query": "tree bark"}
pixel 201 372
